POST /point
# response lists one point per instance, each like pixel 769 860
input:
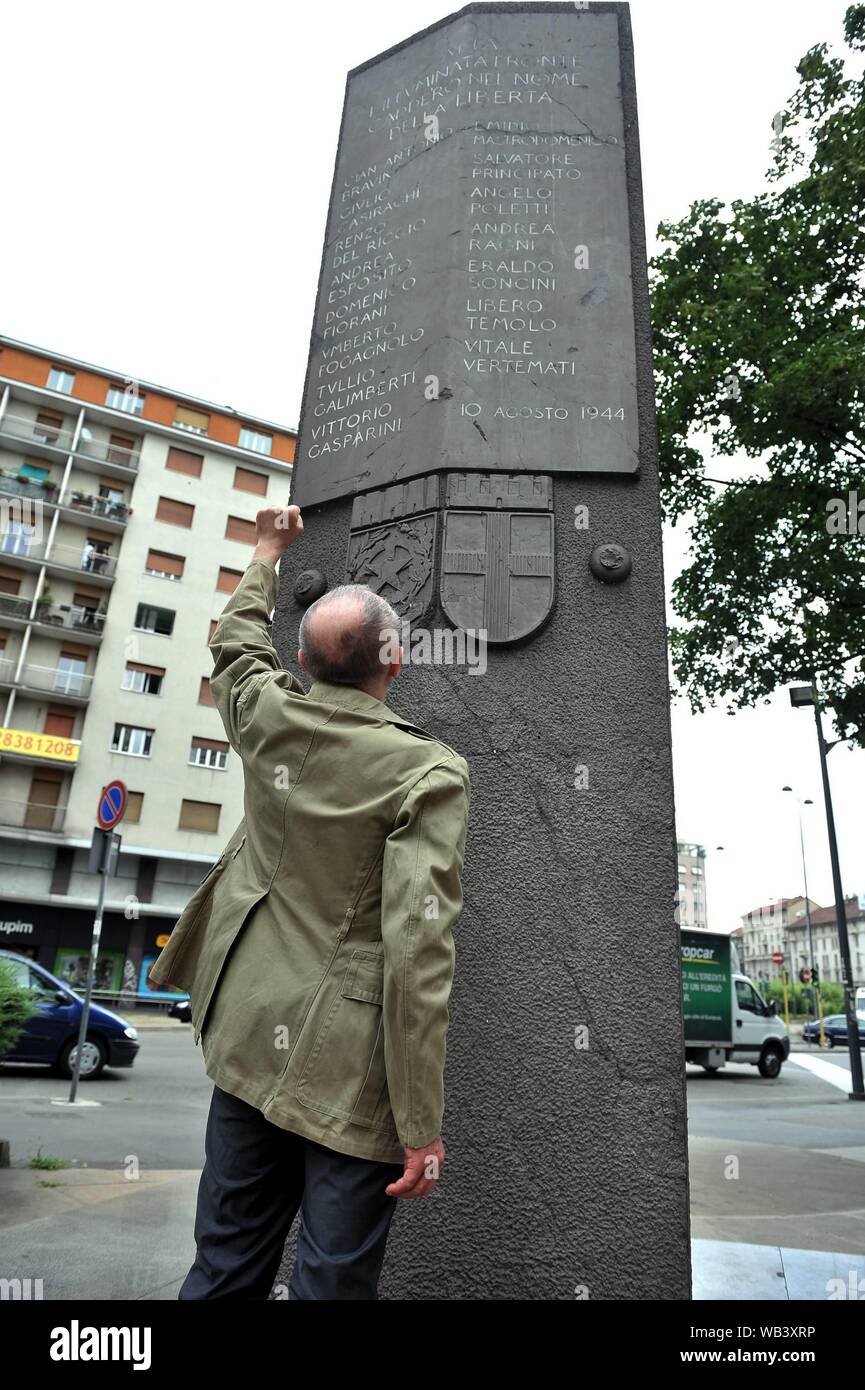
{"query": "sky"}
pixel 167 171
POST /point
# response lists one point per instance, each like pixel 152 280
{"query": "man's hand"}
pixel 276 528
pixel 422 1167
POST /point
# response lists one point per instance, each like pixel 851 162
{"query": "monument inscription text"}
pixel 474 307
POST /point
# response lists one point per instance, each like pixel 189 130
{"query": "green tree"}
pixel 17 1004
pixel 760 354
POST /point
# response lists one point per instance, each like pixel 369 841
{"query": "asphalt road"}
pixel 778 1162
pixel 156 1109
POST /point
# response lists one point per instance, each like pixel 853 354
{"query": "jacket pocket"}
pixel 344 1074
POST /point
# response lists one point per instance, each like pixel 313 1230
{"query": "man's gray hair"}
pixel 356 650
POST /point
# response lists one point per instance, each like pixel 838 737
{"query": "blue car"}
pixel 51 1035
pixel 834 1030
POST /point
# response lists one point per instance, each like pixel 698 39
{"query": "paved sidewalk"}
pixel 768 1273
pixel 95 1234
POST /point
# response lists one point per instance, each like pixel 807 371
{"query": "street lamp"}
pixel 800 804
pixel 801 695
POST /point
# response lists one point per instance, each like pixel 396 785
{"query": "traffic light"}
pixel 815 975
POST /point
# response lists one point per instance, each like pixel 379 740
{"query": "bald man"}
pixel 318 951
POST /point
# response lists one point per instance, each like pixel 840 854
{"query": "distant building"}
pixel 127 517
pixel 692 887
pixel 775 927
pixel 824 930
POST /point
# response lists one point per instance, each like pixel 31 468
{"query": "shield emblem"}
pixel 497 569
pixel 397 562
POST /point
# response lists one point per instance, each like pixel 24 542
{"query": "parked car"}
pixel 51 1035
pixel 834 1029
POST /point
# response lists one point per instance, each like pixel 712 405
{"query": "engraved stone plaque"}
pixel 474 307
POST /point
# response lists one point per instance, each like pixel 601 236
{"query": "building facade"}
pixel 126 520
pixel 781 927
pixel 824 933
pixel 692 887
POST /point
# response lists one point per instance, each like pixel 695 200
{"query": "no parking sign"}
pixel 112 805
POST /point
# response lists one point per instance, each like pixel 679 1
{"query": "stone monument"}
pixel 477 443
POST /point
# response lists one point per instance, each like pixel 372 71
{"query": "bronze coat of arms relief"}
pixel 497 567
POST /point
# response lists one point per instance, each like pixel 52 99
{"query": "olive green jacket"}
pixel 318 951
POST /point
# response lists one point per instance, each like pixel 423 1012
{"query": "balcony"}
pixel 87 623
pixel 19 545
pixel 116 455
pixel 86 505
pixel 11 485
pixel 31 815
pixel 66 687
pixel 76 506
pixel 53 441
pixel 43 440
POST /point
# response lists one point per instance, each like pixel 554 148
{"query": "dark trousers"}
pixel 256 1176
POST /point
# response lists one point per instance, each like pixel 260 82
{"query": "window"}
pixel 17 539
pixel 143 680
pixel 208 752
pixel 174 512
pixel 247 480
pixel 48 426
pixel 194 420
pixel 10 581
pixel 125 398
pixel 59 722
pixel 69 674
pixel 255 440
pixel 110 492
pixel 199 815
pixel 747 999
pixel 182 461
pixel 86 598
pixel 205 694
pixel 36 472
pixel 228 580
pixel 121 447
pixel 237 528
pixel 59 379
pixel 96 555
pixel 129 738
pixel 213 622
pixel 166 566
pixel 134 803
pixel 149 619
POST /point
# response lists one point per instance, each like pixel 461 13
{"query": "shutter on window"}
pixel 177 513
pixel 199 815
pixel 165 563
pixel 237 528
pixel 182 461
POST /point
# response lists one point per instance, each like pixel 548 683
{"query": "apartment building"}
pixel 126 520
pixel 827 950
pixel 775 927
pixel 692 886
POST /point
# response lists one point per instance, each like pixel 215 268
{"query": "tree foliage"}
pixel 760 359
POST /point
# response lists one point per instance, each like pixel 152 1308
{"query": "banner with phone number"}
pixel 49 746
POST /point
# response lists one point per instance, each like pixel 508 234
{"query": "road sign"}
pixel 777 957
pixel 104 852
pixel 805 975
pixel 112 805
